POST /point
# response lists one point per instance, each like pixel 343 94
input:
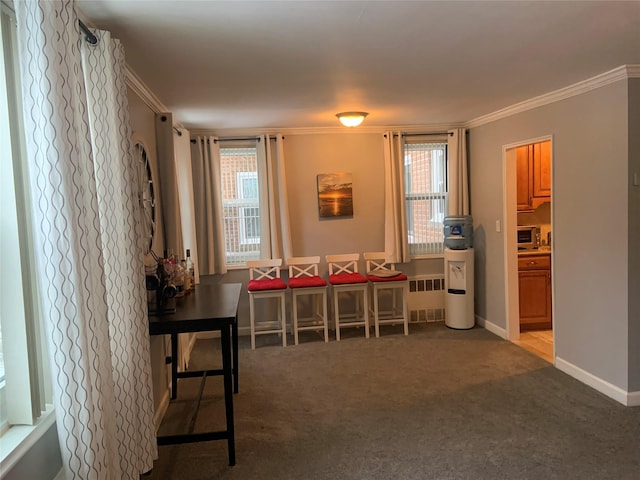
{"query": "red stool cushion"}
pixel 396 278
pixel 271 284
pixel 346 278
pixel 302 282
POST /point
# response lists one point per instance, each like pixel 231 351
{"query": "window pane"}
pixel 241 208
pixel 249 186
pixel 425 195
pixel 249 225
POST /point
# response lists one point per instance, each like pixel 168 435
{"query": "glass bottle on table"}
pixel 167 263
pixel 190 270
pixel 188 286
pixel 179 275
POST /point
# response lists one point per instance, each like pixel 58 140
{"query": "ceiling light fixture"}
pixel 351 119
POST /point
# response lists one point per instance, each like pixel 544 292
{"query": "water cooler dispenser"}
pixel 458 272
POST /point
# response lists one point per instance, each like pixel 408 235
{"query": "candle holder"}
pixel 161 291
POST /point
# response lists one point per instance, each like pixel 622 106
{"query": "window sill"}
pixel 17 441
pixel 427 256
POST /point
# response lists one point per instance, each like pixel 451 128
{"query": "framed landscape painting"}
pixel 335 196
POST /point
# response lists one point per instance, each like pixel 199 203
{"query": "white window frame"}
pixel 25 404
pixel 237 259
pixel 438 182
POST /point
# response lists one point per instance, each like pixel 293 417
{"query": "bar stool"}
pixel 305 281
pixel 385 280
pixel 265 282
pixel 344 278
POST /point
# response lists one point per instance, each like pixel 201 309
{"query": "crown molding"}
pixel 633 71
pixel 140 88
pixel 612 76
pixel 615 75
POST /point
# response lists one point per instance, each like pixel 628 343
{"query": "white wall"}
pixel 306 156
pixel 634 236
pixel 143 126
pixel 591 220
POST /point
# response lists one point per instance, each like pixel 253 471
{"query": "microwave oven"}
pixel 528 236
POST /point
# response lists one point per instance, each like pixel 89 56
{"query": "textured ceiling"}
pixel 265 65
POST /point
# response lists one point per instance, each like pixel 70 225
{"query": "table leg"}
pixel 227 369
pixel 234 335
pixel 174 366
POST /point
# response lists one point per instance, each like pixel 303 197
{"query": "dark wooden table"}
pixel 211 307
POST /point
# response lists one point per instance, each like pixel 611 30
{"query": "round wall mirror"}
pixel 147 196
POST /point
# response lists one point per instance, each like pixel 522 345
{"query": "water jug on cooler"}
pixel 458 272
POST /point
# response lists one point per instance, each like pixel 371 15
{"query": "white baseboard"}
pixel 162 409
pixel 242 331
pixel 492 327
pixel 205 335
pixel 192 342
pixel 629 399
pixel 633 399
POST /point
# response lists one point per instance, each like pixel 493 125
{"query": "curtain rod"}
pixel 235 139
pixel 238 139
pixel 88 34
pixel 439 134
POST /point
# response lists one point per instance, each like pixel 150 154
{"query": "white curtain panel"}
pixel 182 150
pixel 205 166
pixel 395 241
pixel 168 181
pixel 182 158
pixel 263 153
pixel 88 243
pixel 458 177
pixel 279 227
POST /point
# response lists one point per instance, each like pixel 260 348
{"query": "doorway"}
pixel 527 168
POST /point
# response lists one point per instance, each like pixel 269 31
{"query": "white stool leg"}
pixel 252 321
pixel 325 317
pixel 376 314
pixel 294 314
pixel 336 314
pixel 365 299
pixel 405 315
pixel 283 319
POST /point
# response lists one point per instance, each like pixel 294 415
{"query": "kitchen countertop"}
pixel 543 250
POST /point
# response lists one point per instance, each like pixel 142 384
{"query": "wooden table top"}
pixel 210 307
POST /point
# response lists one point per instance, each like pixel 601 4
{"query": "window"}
pixel 24 384
pixel 425 183
pixel 249 224
pixel 240 203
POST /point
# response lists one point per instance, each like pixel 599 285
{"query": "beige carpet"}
pixel 437 404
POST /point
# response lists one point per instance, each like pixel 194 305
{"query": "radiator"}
pixel 426 298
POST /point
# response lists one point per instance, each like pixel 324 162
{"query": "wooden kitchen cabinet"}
pixel 534 288
pixel 533 169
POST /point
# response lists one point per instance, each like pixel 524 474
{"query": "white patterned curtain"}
pixel 279 245
pixel 205 165
pixel 395 221
pixel 458 196
pixel 88 243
